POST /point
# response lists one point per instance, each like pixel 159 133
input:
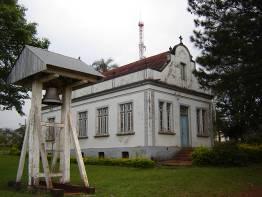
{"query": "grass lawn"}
pixel 122 181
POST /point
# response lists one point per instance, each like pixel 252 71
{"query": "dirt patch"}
pixel 251 192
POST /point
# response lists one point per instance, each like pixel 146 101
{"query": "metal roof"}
pixel 34 60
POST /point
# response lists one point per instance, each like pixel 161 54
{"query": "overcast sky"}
pixel 106 29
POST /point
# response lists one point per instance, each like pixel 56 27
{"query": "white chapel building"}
pixel 149 108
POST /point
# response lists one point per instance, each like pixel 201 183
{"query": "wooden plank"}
pixel 42 175
pixel 79 158
pixel 70 74
pixel 48 78
pixel 24 150
pixel 30 147
pixel 52 124
pixel 79 83
pixel 65 136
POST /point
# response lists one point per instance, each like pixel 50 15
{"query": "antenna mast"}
pixel 141 45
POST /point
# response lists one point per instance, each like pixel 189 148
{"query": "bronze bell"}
pixel 51 97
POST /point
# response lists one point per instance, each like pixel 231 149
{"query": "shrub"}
pixel 136 162
pixel 222 154
pixel 202 156
pixel 229 154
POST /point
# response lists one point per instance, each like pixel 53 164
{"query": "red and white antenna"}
pixel 141 45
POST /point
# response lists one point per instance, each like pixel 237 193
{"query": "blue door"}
pixel 184 130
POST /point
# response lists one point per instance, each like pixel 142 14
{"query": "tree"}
pixel 104 65
pixel 228 32
pixel 15 32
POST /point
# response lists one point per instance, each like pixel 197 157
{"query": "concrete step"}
pixel 183 158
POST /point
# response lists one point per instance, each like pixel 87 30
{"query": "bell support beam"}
pixel 33 132
pixel 65 136
pixel 49 78
pixel 79 157
pixel 23 151
pixel 71 75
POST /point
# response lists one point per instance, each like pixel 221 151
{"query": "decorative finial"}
pixel 79 58
pixel 180 38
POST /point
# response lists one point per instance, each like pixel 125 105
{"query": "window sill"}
pixel 127 133
pixel 166 133
pixel 101 135
pixel 82 137
pixel 202 135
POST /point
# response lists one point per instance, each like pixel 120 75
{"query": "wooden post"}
pixel 79 158
pixel 65 136
pixel 33 132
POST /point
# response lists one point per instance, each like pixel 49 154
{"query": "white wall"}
pixel 177 99
pixel 111 101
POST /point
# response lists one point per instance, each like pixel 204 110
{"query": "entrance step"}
pixel 182 158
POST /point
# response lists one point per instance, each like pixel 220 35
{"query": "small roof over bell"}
pixel 34 62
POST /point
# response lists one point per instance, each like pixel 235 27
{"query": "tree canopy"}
pixel 15 32
pixel 104 65
pixel 229 34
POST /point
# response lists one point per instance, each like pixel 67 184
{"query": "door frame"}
pixel 189 124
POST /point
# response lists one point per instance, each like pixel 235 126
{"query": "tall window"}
pixel 50 135
pixel 168 118
pixel 82 124
pixel 126 118
pixel 183 71
pixel 202 126
pixel 102 120
pixel 161 116
pixel 165 116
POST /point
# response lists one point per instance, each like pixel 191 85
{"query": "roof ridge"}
pixel 57 53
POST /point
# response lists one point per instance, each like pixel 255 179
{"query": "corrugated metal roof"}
pixel 55 59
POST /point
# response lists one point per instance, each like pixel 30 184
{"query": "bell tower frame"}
pixel 65 79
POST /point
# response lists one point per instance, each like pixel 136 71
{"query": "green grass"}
pixel 122 181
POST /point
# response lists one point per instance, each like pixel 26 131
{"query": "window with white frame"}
pixel 202 122
pixel 165 116
pixel 50 135
pixel 183 71
pixel 82 124
pixel 126 118
pixel 102 121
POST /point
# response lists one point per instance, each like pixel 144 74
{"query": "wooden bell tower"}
pixel 39 70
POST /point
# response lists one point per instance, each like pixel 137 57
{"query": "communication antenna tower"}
pixel 141 45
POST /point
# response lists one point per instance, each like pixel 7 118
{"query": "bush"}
pixel 202 156
pixel 222 154
pixel 137 162
pixel 229 154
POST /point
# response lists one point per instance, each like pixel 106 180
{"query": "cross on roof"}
pixel 180 38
